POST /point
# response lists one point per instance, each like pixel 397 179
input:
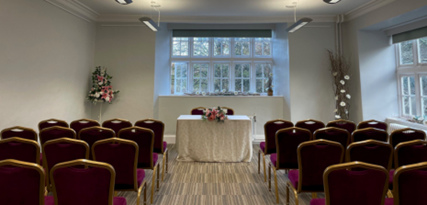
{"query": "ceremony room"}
pixel 211 102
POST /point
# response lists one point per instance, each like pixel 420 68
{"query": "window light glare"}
pixel 331 1
pixel 124 2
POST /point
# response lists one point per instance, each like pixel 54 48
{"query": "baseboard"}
pixel 171 139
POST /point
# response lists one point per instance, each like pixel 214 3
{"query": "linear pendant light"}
pixel 149 23
pixel 299 24
pixel 124 2
pixel 331 1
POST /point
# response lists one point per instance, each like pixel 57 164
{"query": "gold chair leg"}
pixel 287 194
pixel 263 161
pixel 296 197
pixel 115 193
pixel 158 178
pixel 138 199
pixel 389 194
pixel 269 177
pixel 167 160
pixel 163 166
pixel 275 184
pixel 289 186
pixel 314 195
pixel 259 161
pixel 152 184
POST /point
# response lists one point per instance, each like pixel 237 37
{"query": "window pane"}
pixel 196 70
pixel 412 84
pixel 424 103
pixel 423 80
pixel 259 88
pixel 422 50
pixel 405 85
pixel 238 71
pixel 242 47
pixel 201 47
pixel 258 48
pixel 246 85
pixel 246 50
pixel 184 70
pixel 178 85
pixel 246 71
pixel 204 70
pixel 222 46
pixel 225 71
pixel 217 85
pixel 196 85
pixel 226 48
pixel 258 70
pixel 176 48
pixel 217 70
pixel 413 106
pixel 238 49
pixel 406 53
pixel 178 71
pixel 173 78
pixel 267 49
pixel 180 46
pixel 184 48
pixel 225 84
pixel 184 86
pixel 204 85
pixel 238 85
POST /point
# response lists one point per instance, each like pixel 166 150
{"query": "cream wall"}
pixel 45 58
pixel 128 53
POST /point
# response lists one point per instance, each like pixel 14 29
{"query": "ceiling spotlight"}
pixel 149 23
pixel 124 2
pixel 299 24
pixel 331 1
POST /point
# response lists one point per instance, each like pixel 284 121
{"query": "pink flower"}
pixel 222 118
pixel 100 78
pixel 92 89
pixel 211 118
pixel 104 95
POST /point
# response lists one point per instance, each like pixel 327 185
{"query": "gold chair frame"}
pixel 52 119
pixel 298 190
pixel 227 109
pixel 370 142
pixel 84 119
pixel 19 128
pixel 26 141
pixel 403 130
pixel 333 128
pixel 101 129
pixel 399 171
pixel 369 129
pixel 329 124
pixel 404 144
pixel 57 128
pixel 371 121
pixel 310 120
pixel 135 183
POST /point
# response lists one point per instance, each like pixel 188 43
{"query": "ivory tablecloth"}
pixel 205 141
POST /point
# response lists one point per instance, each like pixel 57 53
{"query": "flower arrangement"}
pixel 223 93
pixel 340 70
pixel 101 90
pixel 215 114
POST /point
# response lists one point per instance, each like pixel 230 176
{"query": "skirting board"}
pixel 171 139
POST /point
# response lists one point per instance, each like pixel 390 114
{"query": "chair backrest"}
pixel 21 183
pixel 198 111
pixel 310 124
pixel 51 123
pixel 78 125
pixel 411 152
pixel 409 184
pixel 20 149
pixel 372 152
pixel 229 110
pixel 333 134
pixel 348 125
pixel 18 131
pixel 56 132
pixel 344 185
pixel 145 139
pixel 91 186
pixel 123 156
pixel 372 123
pixel 62 150
pixel 92 134
pixel 270 129
pixel 405 135
pixel 287 142
pixel 313 158
pixel 369 134
pixel 116 124
pixel 158 128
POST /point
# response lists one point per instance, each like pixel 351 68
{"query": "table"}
pixel 206 141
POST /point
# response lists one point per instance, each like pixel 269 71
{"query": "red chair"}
pixel 62 150
pixel 116 124
pixel 339 135
pixel 198 111
pixel 20 149
pixel 343 124
pixel 405 135
pixel 269 145
pixel 91 186
pixel 51 123
pixel 412 152
pixel 55 132
pixel 123 156
pixel 285 158
pixel 92 134
pixel 147 159
pixel 18 131
pixel 310 124
pixel 369 134
pixel 160 146
pixel 313 158
pixel 22 183
pixel 229 110
pixel 346 186
pixel 372 123
pixel 372 152
pixel 78 125
pixel 410 182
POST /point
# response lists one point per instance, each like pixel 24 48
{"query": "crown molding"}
pixel 205 19
pixel 366 8
pixel 76 8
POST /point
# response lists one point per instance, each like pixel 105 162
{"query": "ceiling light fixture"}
pixel 331 1
pixel 298 24
pixel 149 23
pixel 124 2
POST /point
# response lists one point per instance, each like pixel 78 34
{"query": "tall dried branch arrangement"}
pixel 340 70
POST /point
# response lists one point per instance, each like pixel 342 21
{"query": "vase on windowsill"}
pixel 270 92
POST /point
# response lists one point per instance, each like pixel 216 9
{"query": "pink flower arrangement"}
pixel 215 114
pixel 101 90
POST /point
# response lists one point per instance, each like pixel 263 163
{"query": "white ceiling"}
pixel 224 8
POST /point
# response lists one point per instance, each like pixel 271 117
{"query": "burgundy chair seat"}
pixel 317 202
pixel 293 176
pixel 390 179
pixel 119 201
pixel 262 146
pixel 49 200
pixel 140 176
pixel 389 201
pixel 165 145
pixel 273 159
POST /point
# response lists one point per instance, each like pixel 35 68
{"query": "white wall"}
pixel 310 81
pixel 45 58
pixel 128 53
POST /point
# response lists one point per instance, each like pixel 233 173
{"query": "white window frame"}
pixel 416 70
pixel 188 73
pixel 212 59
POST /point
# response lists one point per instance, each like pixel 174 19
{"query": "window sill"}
pixel 239 96
pixel 406 123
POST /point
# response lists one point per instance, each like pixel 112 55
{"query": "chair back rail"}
pixel 20 149
pixel 348 125
pixel 18 131
pixel 310 124
pixel 117 124
pixel 80 124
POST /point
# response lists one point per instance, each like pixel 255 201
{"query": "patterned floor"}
pixel 193 183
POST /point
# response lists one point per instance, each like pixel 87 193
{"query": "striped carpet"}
pixel 194 183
